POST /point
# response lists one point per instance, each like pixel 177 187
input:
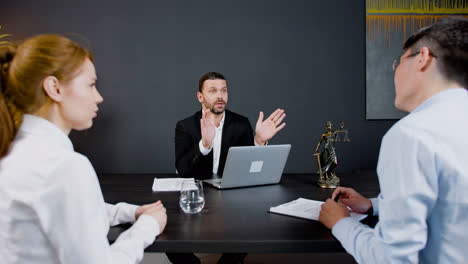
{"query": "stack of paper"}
pixel 169 184
pixel 305 208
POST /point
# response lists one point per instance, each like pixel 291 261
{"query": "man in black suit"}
pixel 202 141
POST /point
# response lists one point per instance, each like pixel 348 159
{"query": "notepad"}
pixel 169 184
pixel 307 209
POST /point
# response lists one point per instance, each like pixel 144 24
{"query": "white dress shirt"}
pixel 216 145
pixel 52 209
pixel 423 176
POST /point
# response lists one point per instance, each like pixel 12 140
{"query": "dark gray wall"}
pixel 305 56
pixel 380 88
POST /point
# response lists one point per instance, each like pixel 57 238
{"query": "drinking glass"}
pixel 192 198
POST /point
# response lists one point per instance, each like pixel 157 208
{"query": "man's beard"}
pixel 213 108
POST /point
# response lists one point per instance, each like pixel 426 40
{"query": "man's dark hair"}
pixel 448 41
pixel 209 76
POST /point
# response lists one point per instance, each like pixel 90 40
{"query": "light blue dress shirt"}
pixel 423 176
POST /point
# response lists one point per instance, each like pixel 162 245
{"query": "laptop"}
pixel 252 165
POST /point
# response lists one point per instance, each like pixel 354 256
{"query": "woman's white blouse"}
pixel 52 209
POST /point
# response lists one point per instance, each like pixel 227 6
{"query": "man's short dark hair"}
pixel 448 41
pixel 209 76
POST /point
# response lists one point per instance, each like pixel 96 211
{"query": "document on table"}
pixel 169 184
pixel 306 208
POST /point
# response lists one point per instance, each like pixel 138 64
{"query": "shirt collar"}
pixel 221 124
pixel 442 96
pixel 36 125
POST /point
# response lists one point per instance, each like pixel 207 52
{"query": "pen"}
pixel 337 197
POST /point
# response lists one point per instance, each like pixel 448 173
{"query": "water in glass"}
pixel 192 199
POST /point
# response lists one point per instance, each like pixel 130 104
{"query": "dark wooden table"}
pixel 236 220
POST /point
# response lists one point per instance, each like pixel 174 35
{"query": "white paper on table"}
pixel 169 184
pixel 306 208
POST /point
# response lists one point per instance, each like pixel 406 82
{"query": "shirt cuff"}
pixel 354 236
pixel 121 213
pixel 341 228
pixel 132 210
pixel 256 144
pixel 203 150
pixel 375 206
pixel 127 212
pixel 148 229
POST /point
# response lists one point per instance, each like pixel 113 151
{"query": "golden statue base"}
pixel 328 182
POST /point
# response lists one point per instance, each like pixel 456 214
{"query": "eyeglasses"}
pixel 396 62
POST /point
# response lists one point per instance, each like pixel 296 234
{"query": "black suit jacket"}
pixel 190 163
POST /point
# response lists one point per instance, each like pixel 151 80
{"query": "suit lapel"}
pixel 227 133
pixel 197 134
pixel 226 141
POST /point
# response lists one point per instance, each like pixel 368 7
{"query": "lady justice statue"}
pixel 326 157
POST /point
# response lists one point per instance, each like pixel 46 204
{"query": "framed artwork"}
pixel 388 24
pixel 3 37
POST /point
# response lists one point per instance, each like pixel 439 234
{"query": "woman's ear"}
pixel 51 86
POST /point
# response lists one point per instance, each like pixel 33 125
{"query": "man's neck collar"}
pixel 431 91
pixel 219 119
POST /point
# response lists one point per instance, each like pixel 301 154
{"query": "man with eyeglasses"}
pixel 423 162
